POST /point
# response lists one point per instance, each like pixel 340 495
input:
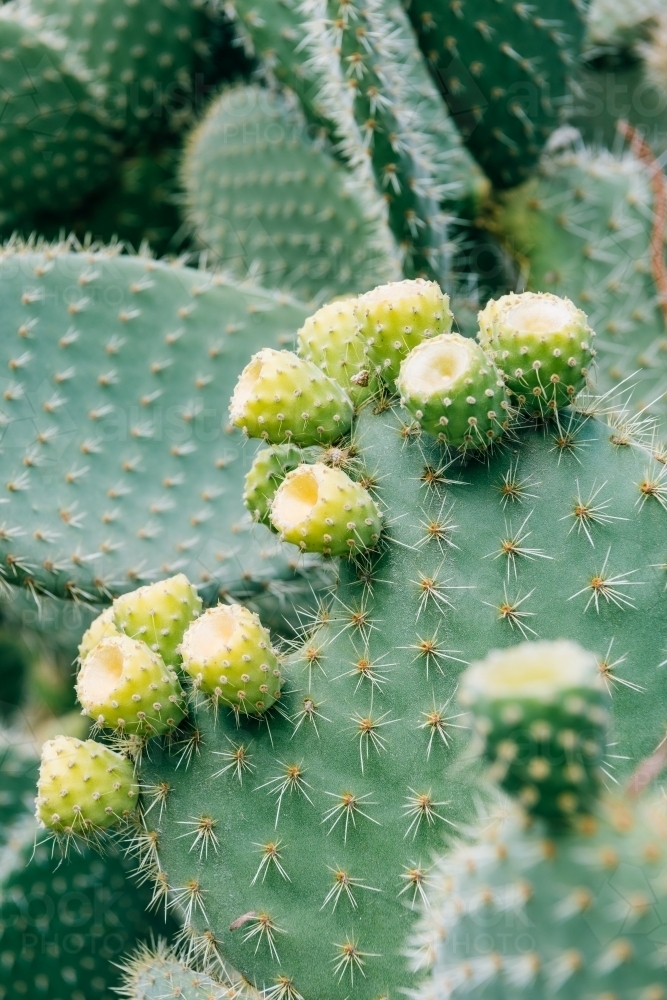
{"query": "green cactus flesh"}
pixel 503 70
pixel 118 462
pixel 54 147
pixel 523 914
pixel 583 228
pixel 311 828
pixel 140 56
pixel 62 925
pixel 265 199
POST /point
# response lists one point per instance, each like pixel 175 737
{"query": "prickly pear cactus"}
pixel 292 839
pixel 119 463
pixel 573 903
pixel 269 202
pixel 503 70
pixel 141 56
pixel 63 925
pixel 585 228
pixel 160 973
pixel 55 144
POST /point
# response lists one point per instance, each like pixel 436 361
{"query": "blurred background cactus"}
pixel 185 183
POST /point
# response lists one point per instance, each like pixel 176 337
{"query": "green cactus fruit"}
pixel 504 72
pixel 281 397
pixel 321 509
pixel 154 973
pixel 453 390
pixel 396 317
pixel 119 464
pixel 64 926
pixel 542 344
pixel 310 827
pixel 124 685
pixel 541 713
pixel 332 339
pixel 523 913
pixel 266 200
pixel 83 787
pixel 229 655
pixel 102 627
pixel 583 228
pixel 159 614
pixel 55 148
pixel 267 472
pixel 142 57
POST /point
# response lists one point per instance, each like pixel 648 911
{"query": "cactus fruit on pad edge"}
pixel 63 925
pixel 503 70
pixel 291 841
pixel 573 904
pixel 119 466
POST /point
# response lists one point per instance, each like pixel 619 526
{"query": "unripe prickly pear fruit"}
pixel 267 472
pixel 332 339
pixel 102 627
pixel 322 510
pixel 228 653
pixel 125 685
pixel 159 614
pixel 453 390
pixel 396 317
pixel 541 713
pixel 542 344
pixel 83 786
pixel 281 397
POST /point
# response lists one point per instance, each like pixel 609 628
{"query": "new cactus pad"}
pixel 291 841
pixel 503 70
pixel 584 228
pixel 119 464
pixel 267 200
pixel 571 903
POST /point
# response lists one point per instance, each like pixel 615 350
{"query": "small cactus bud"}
pixel 125 685
pixel 542 344
pixel 322 510
pixel 281 397
pixel 159 614
pixel 102 627
pixel 332 339
pixel 541 712
pixel 83 786
pixel 228 653
pixel 451 387
pixel 267 472
pixel 396 317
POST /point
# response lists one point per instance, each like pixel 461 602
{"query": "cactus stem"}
pixel 609 588
pixel 419 807
pixel 239 760
pixel 348 806
pixel 202 832
pixel 290 780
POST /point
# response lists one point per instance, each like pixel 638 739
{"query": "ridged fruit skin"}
pixel 269 468
pixel 55 147
pixel 582 228
pixel 332 339
pixel 355 781
pixel 503 70
pixel 83 786
pixel 543 368
pixel 342 519
pixel 146 697
pixel 141 57
pixel 265 199
pixel 469 410
pixel 102 627
pixel 159 614
pixel 64 926
pixel 546 738
pixel 119 463
pixel 396 317
pixel 240 670
pixel 281 397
